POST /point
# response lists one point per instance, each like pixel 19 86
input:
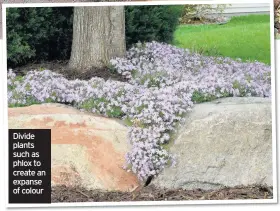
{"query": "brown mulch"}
pixel 152 193
pixel 196 21
pixel 62 68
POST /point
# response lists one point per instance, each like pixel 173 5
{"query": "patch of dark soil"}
pixel 62 68
pixel 198 21
pixel 152 193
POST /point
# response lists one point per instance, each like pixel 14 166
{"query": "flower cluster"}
pixel 164 83
pixel 160 65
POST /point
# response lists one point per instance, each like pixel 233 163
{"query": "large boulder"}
pixel 87 150
pixel 223 143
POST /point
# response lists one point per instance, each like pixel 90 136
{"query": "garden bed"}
pixel 163 83
pixel 61 67
pixel 152 193
pixel 198 21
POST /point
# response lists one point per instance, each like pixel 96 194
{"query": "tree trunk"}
pixel 98 36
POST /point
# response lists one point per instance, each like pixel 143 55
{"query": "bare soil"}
pixel 71 74
pixel 152 193
pixel 197 21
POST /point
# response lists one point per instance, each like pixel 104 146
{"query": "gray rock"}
pixel 227 142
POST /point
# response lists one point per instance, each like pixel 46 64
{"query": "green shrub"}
pixel 38 34
pixel 21 30
pixel 151 23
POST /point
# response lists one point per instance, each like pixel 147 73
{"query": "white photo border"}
pixel 141 203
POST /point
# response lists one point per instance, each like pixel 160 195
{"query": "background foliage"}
pixel 200 11
pixel 36 34
pixel 151 23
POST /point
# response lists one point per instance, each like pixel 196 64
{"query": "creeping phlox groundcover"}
pixel 163 84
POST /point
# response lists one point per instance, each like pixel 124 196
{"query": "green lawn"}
pixel 244 37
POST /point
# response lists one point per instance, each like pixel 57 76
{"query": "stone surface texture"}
pixel 87 150
pixel 226 142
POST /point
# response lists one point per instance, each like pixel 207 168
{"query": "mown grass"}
pixel 244 37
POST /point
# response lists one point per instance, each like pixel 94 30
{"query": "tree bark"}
pixel 98 36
